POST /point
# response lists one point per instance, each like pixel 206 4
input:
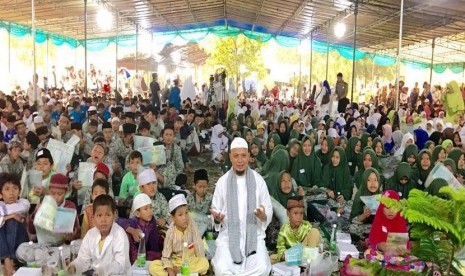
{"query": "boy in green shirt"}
pixel 297 230
pixel 129 182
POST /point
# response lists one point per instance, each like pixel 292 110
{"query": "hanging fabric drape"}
pixel 200 32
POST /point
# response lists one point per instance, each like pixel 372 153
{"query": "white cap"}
pixel 177 201
pixel 92 108
pixel 239 143
pixel 182 117
pixel 38 119
pixel 146 176
pixel 140 200
pixel 115 119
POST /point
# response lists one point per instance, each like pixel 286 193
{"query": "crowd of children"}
pixel 302 152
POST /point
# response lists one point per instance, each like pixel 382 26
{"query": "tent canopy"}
pixel 378 20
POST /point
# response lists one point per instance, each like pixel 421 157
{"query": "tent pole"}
pixel 116 53
pixel 327 52
pixel 433 45
pixel 353 53
pixel 311 59
pixel 85 47
pixel 35 78
pixel 137 44
pixel 399 52
pixel 47 57
pixel 300 72
pixel 9 47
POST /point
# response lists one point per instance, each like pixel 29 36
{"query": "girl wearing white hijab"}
pixel 219 144
pixel 407 139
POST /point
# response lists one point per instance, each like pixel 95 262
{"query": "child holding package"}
pixel 142 222
pixel 297 230
pixel 44 163
pixel 148 185
pixel 182 230
pixel 105 248
pixel 99 187
pixel 26 252
pixel 129 182
pixel 13 211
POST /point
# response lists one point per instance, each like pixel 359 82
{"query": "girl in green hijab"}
pixel 234 130
pixel 294 149
pixel 279 162
pixel 336 177
pixel 361 216
pixel 294 134
pixel 435 186
pixel 280 192
pixel 410 154
pixel 450 164
pixel 458 156
pixel 369 160
pixel 313 135
pixel 343 142
pixel 257 156
pixel 423 168
pixel 306 169
pixel 378 147
pixel 429 145
pixel 353 153
pixel 247 134
pixel 439 154
pixel 273 141
pixel 402 180
pixel 366 139
pixel 324 153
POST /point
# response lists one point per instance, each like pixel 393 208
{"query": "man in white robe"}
pixel 257 262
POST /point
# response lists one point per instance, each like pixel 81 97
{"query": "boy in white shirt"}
pixel 13 211
pixel 105 248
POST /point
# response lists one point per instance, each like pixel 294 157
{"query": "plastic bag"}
pixel 325 266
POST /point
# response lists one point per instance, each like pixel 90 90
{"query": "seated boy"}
pixel 148 185
pixel 26 252
pixel 182 230
pixel 129 182
pixel 99 187
pixel 44 163
pixel 105 248
pixel 297 230
pixel 13 211
pixel 142 222
pixel 200 201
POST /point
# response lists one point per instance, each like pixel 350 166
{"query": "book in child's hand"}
pixel 396 240
pixel 371 202
pixel 54 219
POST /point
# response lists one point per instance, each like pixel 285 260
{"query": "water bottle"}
pixel 332 243
pixel 185 266
pixel 339 227
pixel 72 252
pixel 141 254
pixel 61 267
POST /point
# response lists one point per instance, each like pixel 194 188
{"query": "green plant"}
pixel 437 226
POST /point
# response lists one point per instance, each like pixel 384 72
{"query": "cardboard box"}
pixel 281 269
pixel 344 249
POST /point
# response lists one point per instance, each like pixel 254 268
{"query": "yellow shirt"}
pixel 100 245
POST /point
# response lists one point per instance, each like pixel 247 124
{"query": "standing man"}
pixel 341 92
pixel 155 90
pixel 241 207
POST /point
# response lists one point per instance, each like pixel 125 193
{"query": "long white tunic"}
pixel 259 263
pixel 114 258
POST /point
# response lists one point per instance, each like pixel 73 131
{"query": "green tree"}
pixel 234 52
